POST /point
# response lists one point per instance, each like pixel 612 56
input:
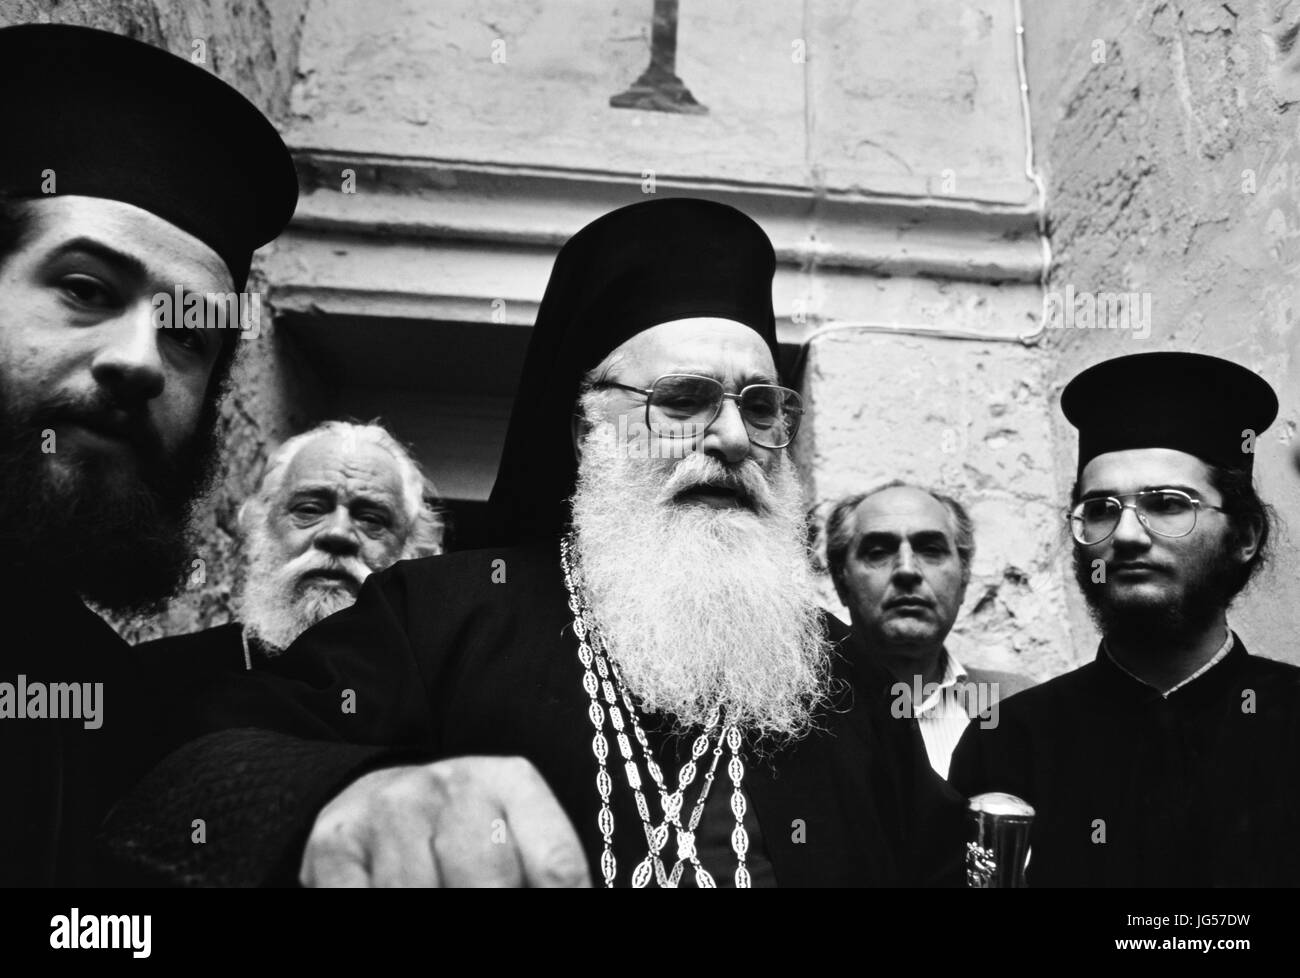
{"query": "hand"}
pixel 471 821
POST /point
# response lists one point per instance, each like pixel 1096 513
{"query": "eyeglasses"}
pixel 683 406
pixel 1165 512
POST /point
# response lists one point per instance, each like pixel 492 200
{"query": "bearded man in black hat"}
pixel 1169 759
pixel 107 422
pixel 640 688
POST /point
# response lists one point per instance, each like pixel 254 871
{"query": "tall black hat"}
pixel 120 119
pixel 1202 405
pixel 634 268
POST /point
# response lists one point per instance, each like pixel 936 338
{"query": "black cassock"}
pixel 474 654
pixel 60 777
pixel 1198 789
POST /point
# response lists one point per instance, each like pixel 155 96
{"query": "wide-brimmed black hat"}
pixel 1205 406
pixel 107 116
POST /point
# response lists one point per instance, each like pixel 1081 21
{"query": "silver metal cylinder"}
pixel 998 853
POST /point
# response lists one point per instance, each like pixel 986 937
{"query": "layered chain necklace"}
pixel 601 677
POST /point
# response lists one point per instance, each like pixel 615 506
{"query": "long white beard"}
pixel 702 607
pixel 276 607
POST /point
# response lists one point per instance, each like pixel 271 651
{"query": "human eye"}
pixel 190 340
pixel 88 290
pixel 1169 501
pixel 373 519
pixel 1096 509
pixel 875 551
pixel 684 397
pixel 307 508
pixel 763 405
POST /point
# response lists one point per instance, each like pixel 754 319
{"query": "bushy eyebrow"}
pixel 322 490
pixel 917 538
pixel 749 378
pixel 122 263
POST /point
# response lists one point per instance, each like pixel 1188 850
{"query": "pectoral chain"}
pixel 601 678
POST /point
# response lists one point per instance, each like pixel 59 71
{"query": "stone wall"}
pixel 1167 132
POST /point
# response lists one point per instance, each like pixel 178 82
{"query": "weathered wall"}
pixel 1167 131
pixel 967 418
pixel 850 94
pixel 253 46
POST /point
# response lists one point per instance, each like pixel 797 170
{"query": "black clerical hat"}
pixel 634 268
pixel 115 118
pixel 1208 407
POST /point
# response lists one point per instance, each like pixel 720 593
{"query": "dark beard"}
pixel 1206 593
pixel 123 547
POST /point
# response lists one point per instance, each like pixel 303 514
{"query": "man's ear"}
pixel 1247 538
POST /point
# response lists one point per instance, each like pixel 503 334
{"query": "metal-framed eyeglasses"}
pixel 684 405
pixel 1164 512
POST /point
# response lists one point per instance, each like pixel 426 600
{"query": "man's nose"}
pixel 128 364
pixel 1130 531
pixel 727 438
pixel 905 568
pixel 337 534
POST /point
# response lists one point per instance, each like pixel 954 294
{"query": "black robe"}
pixel 474 654
pixel 1192 790
pixel 205 654
pixel 60 778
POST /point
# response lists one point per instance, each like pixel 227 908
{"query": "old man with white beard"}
pixel 639 688
pixel 335 504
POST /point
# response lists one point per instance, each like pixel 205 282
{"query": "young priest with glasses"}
pixel 1160 763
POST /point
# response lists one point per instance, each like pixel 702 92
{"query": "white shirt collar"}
pixel 953 673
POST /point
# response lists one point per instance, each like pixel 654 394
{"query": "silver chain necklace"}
pixel 596 660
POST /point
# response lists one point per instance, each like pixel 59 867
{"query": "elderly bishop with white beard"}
pixel 640 687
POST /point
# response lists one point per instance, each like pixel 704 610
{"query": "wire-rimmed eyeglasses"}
pixel 684 405
pixel 1164 512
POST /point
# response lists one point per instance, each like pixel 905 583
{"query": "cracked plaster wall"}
pixel 1168 135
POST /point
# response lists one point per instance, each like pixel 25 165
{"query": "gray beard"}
pixel 698 607
pixel 275 606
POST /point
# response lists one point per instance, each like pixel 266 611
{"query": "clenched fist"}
pixel 470 821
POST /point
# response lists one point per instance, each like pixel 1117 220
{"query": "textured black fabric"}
pixel 634 268
pixel 115 118
pixel 473 654
pixel 1193 790
pixel 230 809
pixel 1193 403
pixel 202 654
pixel 60 776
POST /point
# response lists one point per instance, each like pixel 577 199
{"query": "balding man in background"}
pixel 900 559
pixel 336 504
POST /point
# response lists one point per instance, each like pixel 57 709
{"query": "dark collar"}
pixel 1117 687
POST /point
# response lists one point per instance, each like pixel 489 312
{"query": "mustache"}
pixel 102 412
pixel 746 479
pixel 326 565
